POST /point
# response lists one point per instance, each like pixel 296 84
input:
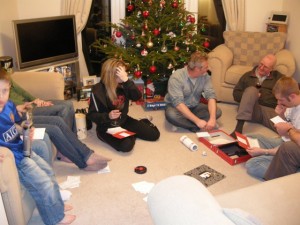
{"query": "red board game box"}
pixel 226 147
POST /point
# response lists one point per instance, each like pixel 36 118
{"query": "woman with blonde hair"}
pixel 109 107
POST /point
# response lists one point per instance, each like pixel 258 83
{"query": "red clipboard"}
pixel 242 140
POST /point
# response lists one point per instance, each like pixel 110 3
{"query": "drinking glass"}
pixel 118 105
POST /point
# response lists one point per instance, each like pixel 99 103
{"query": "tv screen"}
pixel 45 41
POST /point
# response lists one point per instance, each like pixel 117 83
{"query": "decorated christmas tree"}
pixel 155 38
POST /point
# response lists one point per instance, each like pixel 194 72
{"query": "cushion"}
pixel 249 47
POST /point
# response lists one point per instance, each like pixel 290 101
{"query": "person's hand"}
pixel 122 74
pixel 280 109
pixel 24 107
pixel 42 103
pixel 211 123
pixel 255 151
pixel 201 124
pixel 114 114
pixel 282 128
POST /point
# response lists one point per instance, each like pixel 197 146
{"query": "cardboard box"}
pixel 226 147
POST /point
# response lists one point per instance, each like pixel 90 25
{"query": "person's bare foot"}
pixel 67 208
pixel 97 159
pixel 63 158
pixel 68 219
pixel 95 167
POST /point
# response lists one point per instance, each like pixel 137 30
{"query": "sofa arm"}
pixel 285 62
pixel 180 200
pixel 219 60
pixel 10 188
pixel 43 85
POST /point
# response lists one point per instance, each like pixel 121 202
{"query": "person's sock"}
pixel 239 126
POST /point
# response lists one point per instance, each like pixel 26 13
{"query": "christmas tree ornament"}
pixel 156 32
pixel 181 24
pixel 150 43
pixel 138 45
pixel 188 17
pixel 118 34
pixel 144 52
pixel 132 37
pixel 152 69
pixel 175 4
pixel 170 66
pixel 130 7
pixel 206 43
pixel 192 19
pixel 203 29
pixel 150 89
pixel 176 48
pixel 146 14
pixel 162 4
pixel 137 74
pixel 164 48
pixel 138 15
pixel 179 1
pixel 145 25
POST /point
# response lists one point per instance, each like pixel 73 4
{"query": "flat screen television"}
pixel 42 42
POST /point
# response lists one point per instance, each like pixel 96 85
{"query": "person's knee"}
pixel 126 145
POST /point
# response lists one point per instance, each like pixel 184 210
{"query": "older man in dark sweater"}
pixel 254 93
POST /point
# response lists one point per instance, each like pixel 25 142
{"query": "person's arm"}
pixel 212 109
pixel 294 135
pixel 186 112
pixel 255 151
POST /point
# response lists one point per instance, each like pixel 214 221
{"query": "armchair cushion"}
pixel 249 47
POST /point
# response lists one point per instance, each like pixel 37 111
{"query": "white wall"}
pixel 293 42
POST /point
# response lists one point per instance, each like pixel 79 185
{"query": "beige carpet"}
pixel 110 199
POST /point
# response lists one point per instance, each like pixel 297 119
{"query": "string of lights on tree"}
pixel 155 38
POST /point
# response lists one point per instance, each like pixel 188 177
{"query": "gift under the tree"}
pixel 155 103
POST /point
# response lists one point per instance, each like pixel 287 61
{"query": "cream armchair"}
pixel 17 202
pixel 240 52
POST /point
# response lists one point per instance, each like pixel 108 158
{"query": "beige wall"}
pixel 257 13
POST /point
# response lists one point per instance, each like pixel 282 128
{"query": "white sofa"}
pixel 17 202
pixel 183 200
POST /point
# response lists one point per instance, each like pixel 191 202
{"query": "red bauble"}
pixel 118 34
pixel 175 4
pixel 192 19
pixel 206 44
pixel 156 32
pixel 130 7
pixel 138 74
pixel 146 14
pixel 152 69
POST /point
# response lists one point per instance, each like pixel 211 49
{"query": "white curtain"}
pixel 234 11
pixel 81 10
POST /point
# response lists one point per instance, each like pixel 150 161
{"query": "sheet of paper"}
pixel 253 142
pixel 114 130
pixel 39 133
pixel 277 119
pixel 105 170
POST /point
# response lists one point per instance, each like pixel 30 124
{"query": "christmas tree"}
pixel 155 38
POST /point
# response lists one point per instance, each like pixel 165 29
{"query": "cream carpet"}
pixel 110 199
